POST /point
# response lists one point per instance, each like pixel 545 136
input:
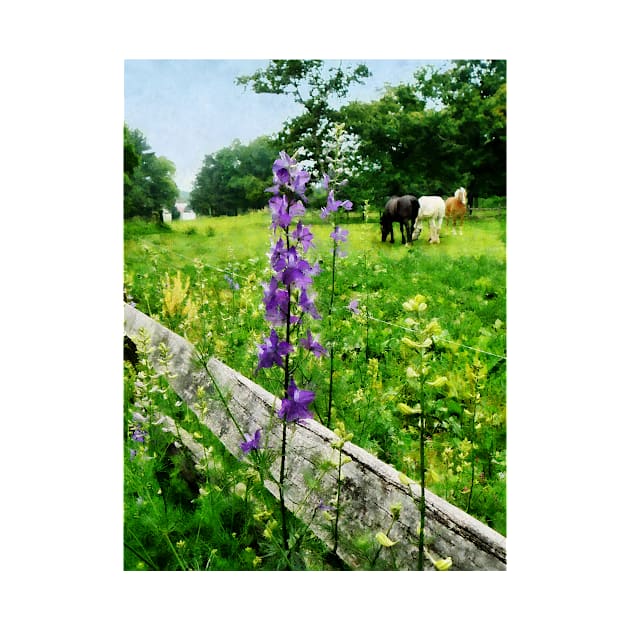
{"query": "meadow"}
pixel 203 279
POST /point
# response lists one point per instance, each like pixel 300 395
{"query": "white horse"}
pixel 456 209
pixel 432 208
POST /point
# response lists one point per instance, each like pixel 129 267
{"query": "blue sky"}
pixel 188 109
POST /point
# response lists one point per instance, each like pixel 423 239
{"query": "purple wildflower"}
pixel 354 306
pixel 283 211
pixel 323 507
pixel 303 235
pixel 232 283
pixel 251 443
pixel 277 254
pixel 272 350
pixel 300 180
pixel 326 181
pixel 276 303
pixel 297 209
pixel 280 216
pixel 308 305
pixel 282 168
pixel 332 205
pixel 294 270
pixel 138 435
pixel 315 269
pixel 295 406
pixel 310 343
pixel 339 236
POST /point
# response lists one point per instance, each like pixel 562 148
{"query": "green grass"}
pixel 464 282
pixel 219 241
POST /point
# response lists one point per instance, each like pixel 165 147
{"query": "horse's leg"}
pixel 402 232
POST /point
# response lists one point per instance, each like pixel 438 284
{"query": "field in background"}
pixel 215 268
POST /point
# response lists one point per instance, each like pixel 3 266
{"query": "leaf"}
pixel 438 382
pixel 405 409
pixel 382 539
pixel 443 564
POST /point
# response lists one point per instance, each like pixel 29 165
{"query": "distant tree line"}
pixel 445 129
pixel 233 180
pixel 149 186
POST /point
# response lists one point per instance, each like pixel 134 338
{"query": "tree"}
pixel 131 157
pixel 310 85
pixel 471 96
pixel 444 130
pixel 394 133
pixel 149 185
pixel 234 178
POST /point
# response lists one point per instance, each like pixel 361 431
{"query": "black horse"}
pixel 403 210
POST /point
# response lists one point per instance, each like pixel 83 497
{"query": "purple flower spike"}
pixel 271 351
pixel 282 168
pixel 138 435
pixel 308 306
pixel 297 209
pixel 354 306
pixel 277 257
pixel 232 283
pixel 299 182
pixel 280 216
pixel 296 271
pixel 339 236
pixel 333 206
pixel 303 235
pixel 295 406
pixel 251 443
pixel 276 303
pixel 310 343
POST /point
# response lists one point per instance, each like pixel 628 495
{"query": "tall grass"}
pixel 464 282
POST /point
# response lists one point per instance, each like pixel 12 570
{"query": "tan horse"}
pixel 456 209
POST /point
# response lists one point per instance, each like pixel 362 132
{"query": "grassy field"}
pixel 223 240
pixel 203 279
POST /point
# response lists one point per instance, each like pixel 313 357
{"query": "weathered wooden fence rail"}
pixel 370 486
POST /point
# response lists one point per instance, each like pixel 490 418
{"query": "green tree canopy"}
pixel 471 97
pixel 234 179
pixel 313 86
pixel 149 185
pixel 446 129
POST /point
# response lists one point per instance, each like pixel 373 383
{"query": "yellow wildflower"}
pixel 383 540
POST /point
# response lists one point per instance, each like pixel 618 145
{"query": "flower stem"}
pixel 332 343
pixel 283 453
pixel 336 527
pixel 421 424
pixel 472 442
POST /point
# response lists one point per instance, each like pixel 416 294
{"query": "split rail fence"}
pixel 370 486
